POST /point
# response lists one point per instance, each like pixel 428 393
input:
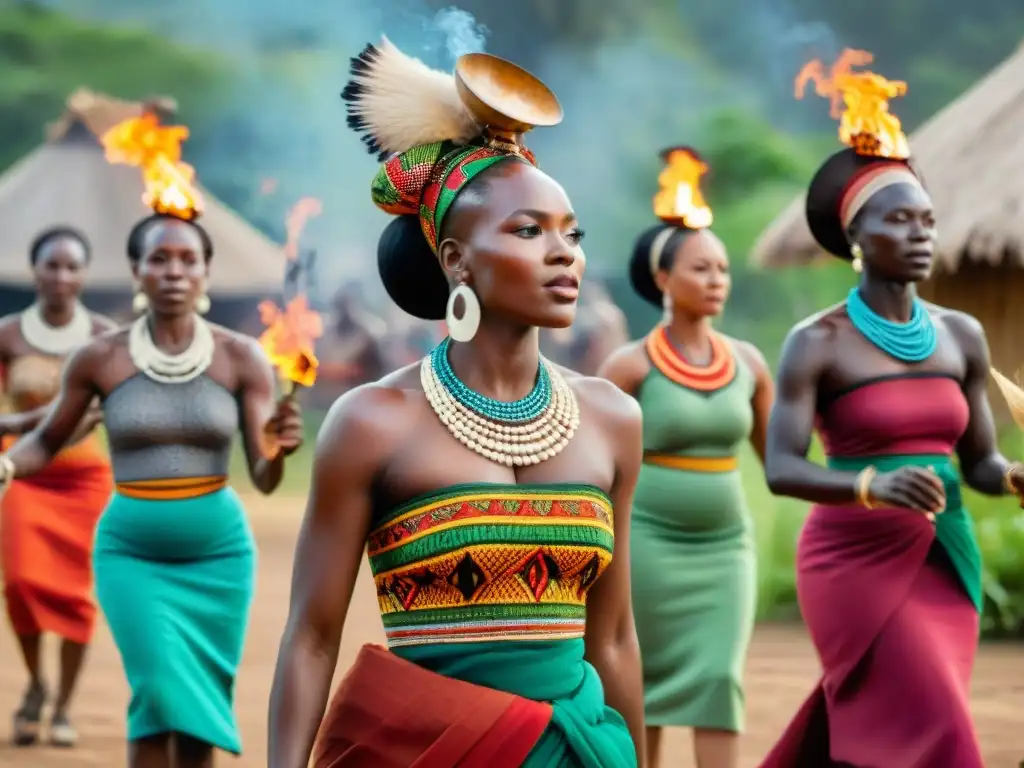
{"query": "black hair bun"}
pixel 641 276
pixel 410 271
pixel 825 194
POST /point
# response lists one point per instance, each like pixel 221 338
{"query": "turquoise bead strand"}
pixel 527 409
pixel 910 342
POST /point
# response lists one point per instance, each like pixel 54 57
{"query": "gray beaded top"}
pixel 162 431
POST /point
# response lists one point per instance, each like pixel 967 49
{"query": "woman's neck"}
pixel 499 362
pixel 692 335
pixel 57 314
pixel 172 333
pixel 893 301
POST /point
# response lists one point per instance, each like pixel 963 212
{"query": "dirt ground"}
pixel 781 670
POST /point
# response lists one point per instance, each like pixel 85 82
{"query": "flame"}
pixel 860 101
pixel 290 338
pixel 156 149
pixel 679 197
pixel 305 209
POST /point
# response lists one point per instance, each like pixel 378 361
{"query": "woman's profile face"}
pixel 59 270
pixel 698 283
pixel 172 270
pixel 896 232
pixel 514 238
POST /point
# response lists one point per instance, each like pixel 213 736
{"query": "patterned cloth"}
pixel 425 180
pixel 481 563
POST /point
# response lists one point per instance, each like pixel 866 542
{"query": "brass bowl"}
pixel 504 96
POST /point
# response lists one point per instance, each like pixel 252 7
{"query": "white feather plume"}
pixel 398 102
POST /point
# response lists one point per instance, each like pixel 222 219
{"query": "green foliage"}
pixel 45 56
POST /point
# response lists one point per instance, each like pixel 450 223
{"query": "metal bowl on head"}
pixel 504 96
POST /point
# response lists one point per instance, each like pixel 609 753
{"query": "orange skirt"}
pixel 391 713
pixel 47 523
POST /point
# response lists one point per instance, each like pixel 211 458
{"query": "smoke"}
pixel 462 33
pixel 624 92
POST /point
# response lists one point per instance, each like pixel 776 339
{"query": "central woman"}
pixel 488 486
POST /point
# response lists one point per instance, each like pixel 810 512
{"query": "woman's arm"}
pixel 984 468
pixel 78 389
pixel 763 398
pixel 265 420
pixel 626 368
pixel 805 353
pixel 351 447
pixel 20 423
pixel 611 642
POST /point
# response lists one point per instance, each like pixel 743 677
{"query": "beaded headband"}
pixel 439 131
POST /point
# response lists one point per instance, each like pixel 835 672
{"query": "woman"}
pixel 47 521
pixel 482 481
pixel 888 569
pixel 694 574
pixel 174 555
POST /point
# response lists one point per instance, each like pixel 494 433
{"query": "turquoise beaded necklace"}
pixel 527 409
pixel 910 342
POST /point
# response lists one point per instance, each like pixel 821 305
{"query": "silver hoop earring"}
pixel 463 328
pixel 203 304
pixel 139 303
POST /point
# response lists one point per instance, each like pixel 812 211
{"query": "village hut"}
pixel 971 157
pixel 68 181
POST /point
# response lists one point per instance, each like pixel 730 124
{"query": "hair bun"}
pixel 410 271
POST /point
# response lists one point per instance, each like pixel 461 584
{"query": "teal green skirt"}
pixel 583 733
pixel 175 581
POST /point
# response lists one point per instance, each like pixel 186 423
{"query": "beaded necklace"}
pixel 55 340
pixel 524 432
pixel 718 373
pixel 909 342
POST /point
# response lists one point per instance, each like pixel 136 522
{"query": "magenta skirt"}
pixel 896 634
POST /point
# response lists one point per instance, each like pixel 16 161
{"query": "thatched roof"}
pixel 67 181
pixel 971 155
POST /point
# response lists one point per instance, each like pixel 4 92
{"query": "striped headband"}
pixel 658 247
pixel 873 179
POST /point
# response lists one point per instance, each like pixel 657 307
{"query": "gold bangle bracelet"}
pixel 1008 483
pixel 862 485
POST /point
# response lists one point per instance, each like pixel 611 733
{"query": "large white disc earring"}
pixel 139 303
pixel 463 328
pixel 203 304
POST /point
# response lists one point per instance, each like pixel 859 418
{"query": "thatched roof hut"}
pixel 68 181
pixel 971 155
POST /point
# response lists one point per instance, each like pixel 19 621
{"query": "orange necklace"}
pixel 719 372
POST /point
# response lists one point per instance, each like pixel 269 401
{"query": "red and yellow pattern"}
pixel 666 358
pixel 491 562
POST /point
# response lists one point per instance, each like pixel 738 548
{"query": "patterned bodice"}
pixel 490 562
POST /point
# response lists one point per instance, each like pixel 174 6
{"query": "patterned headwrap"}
pixel 425 180
pixel 433 155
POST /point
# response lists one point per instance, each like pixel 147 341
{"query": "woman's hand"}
pixel 283 433
pixel 909 488
pixel 1015 481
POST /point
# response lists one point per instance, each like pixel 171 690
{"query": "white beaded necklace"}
pixel 171 369
pixel 514 445
pixel 54 339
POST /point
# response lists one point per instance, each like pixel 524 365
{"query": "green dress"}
pixel 693 560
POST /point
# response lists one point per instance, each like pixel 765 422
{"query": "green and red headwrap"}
pixel 425 180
